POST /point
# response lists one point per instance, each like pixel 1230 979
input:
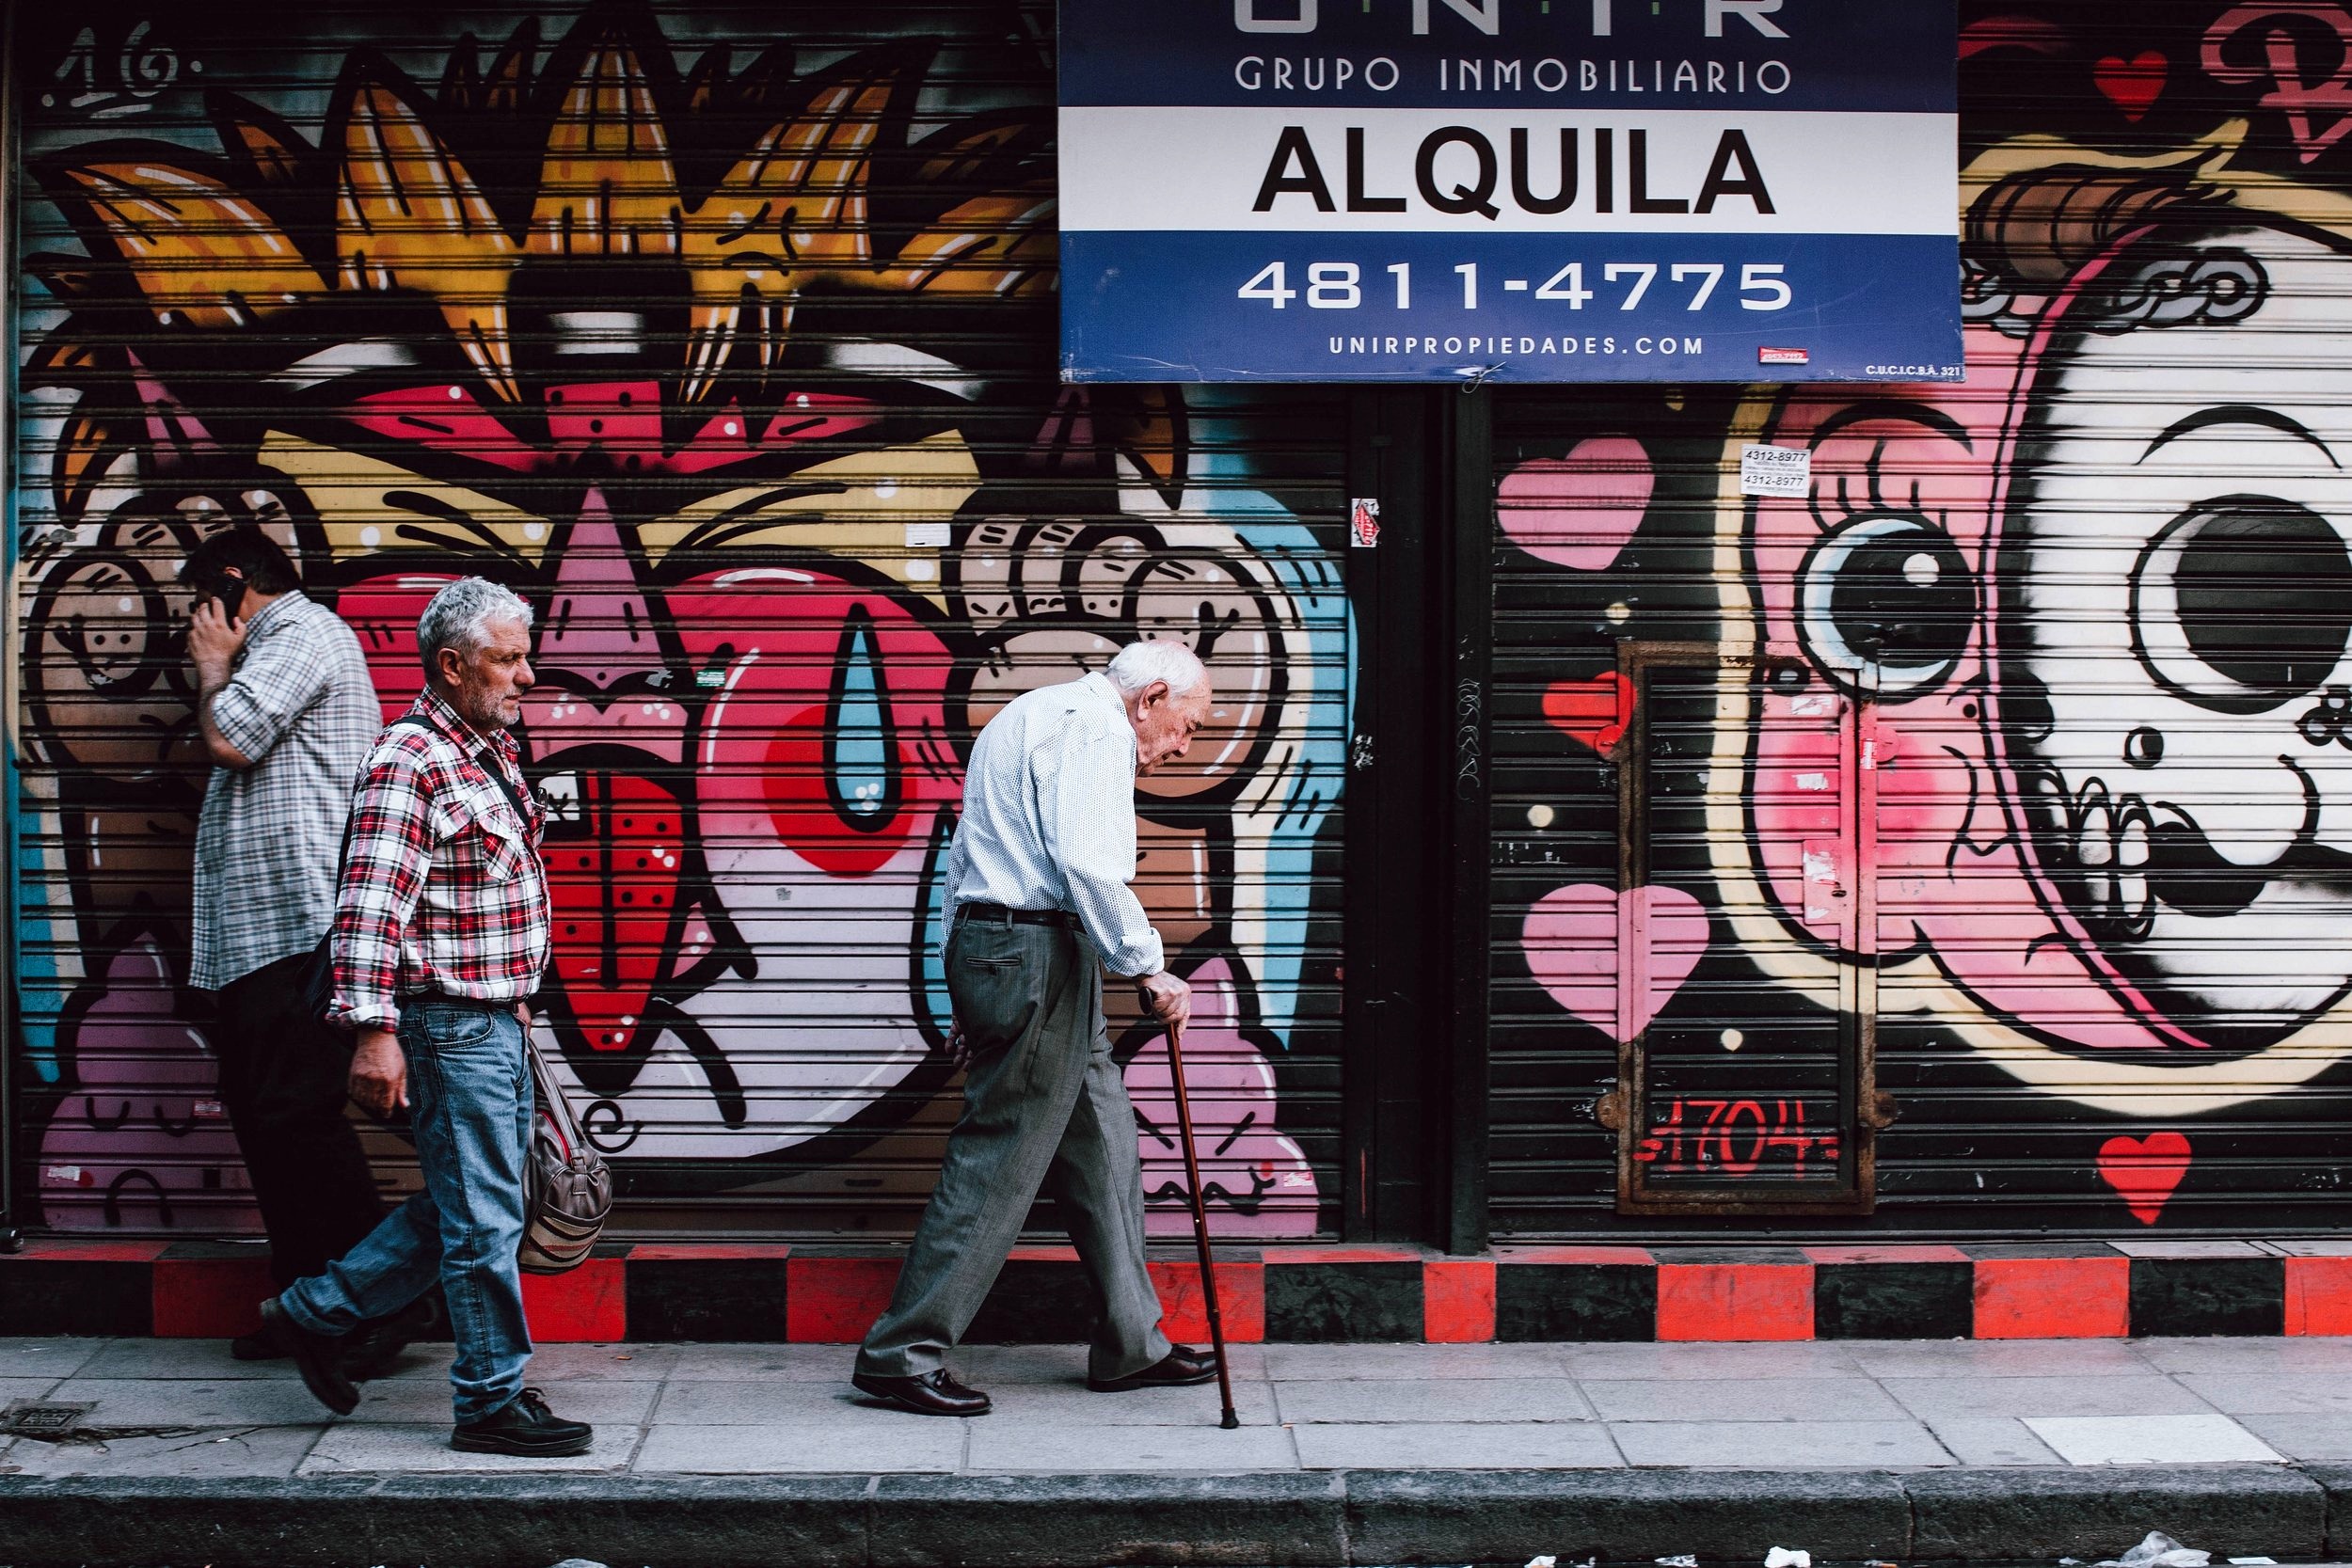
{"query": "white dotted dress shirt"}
pixel 1049 818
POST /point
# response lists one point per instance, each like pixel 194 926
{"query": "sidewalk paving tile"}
pixel 1072 1406
pixel 1778 1445
pixel 268 1451
pixel 1992 1440
pixel 2325 1437
pixel 2150 1439
pixel 985 1366
pixel 363 1450
pixel 804 1448
pixel 1999 1358
pixel 1457 1446
pixel 1332 1363
pixel 569 1363
pixel 1780 1399
pixel 2233 1355
pixel 1454 1400
pixel 704 1401
pixel 14 1388
pixel 231 1401
pixel 1092 1450
pixel 53 1359
pixel 592 1400
pixel 2267 1393
pixel 1942 1398
pixel 1699 1361
pixel 764 1363
pixel 180 1359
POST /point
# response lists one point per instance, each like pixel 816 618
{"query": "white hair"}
pixel 1139 664
pixel 460 616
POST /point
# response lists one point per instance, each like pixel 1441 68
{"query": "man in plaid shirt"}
pixel 441 929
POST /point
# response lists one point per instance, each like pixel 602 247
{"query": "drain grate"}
pixel 26 1418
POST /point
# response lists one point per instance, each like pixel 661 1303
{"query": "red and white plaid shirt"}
pixel 442 889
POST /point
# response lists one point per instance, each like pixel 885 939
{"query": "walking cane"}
pixel 1201 1221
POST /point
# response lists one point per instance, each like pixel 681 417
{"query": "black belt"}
pixel 1004 917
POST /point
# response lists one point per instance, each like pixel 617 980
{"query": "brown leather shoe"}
pixel 932 1394
pixel 1181 1368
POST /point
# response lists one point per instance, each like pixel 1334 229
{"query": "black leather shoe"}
pixel 1181 1368
pixel 525 1427
pixel 932 1394
pixel 319 1358
pixel 256 1346
pixel 373 1350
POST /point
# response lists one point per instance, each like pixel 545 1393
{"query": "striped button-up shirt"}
pixel 1049 818
pixel 443 889
pixel 301 708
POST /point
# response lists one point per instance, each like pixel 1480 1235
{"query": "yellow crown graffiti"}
pixel 213 249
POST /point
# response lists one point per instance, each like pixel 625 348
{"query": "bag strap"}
pixel 414 722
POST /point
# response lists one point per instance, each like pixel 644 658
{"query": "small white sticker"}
pixel 1766 470
pixel 1819 704
pixel 927 536
pixel 209 1110
pixel 1813 781
pixel 71 1176
pixel 1363 522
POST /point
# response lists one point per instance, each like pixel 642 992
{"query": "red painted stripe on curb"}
pixel 1735 1301
pixel 589 1305
pixel 833 1300
pixel 1240 1301
pixel 1457 1302
pixel 2319 1295
pixel 209 1298
pixel 1310 1255
pixel 1573 1255
pixel 2053 1298
pixel 86 1252
pixel 691 1252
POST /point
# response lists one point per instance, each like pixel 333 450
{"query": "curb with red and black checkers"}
pixel 822 1294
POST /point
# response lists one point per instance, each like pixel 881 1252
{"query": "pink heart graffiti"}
pixel 1578 511
pixel 1571 939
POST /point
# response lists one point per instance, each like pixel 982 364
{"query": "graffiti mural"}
pixel 733 359
pixel 2089 604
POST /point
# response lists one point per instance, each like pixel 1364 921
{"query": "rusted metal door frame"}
pixel 1627 1110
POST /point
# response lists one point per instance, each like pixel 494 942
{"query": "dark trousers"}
pixel 1044 1109
pixel 283 1077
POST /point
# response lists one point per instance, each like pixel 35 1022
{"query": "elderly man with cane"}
pixel 1038 881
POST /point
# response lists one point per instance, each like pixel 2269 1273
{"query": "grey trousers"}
pixel 1044 1107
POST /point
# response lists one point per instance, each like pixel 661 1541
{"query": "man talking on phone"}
pixel 287 712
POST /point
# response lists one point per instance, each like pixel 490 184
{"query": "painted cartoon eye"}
pixel 1885 596
pixel 2243 603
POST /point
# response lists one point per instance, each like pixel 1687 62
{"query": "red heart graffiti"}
pixel 2144 1171
pixel 2132 85
pixel 1592 713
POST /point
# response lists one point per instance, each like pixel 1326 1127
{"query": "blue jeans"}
pixel 470 1108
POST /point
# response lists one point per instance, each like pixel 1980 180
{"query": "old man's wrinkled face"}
pixel 1165 723
pixel 485 681
pixel 2176 685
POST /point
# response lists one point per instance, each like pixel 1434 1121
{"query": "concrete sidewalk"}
pixel 2092 1429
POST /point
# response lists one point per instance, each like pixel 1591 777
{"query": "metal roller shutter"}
pixel 2002 775
pixel 724 333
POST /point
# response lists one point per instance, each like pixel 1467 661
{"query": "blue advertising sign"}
pixel 1514 190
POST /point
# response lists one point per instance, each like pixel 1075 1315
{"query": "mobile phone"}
pixel 231 597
